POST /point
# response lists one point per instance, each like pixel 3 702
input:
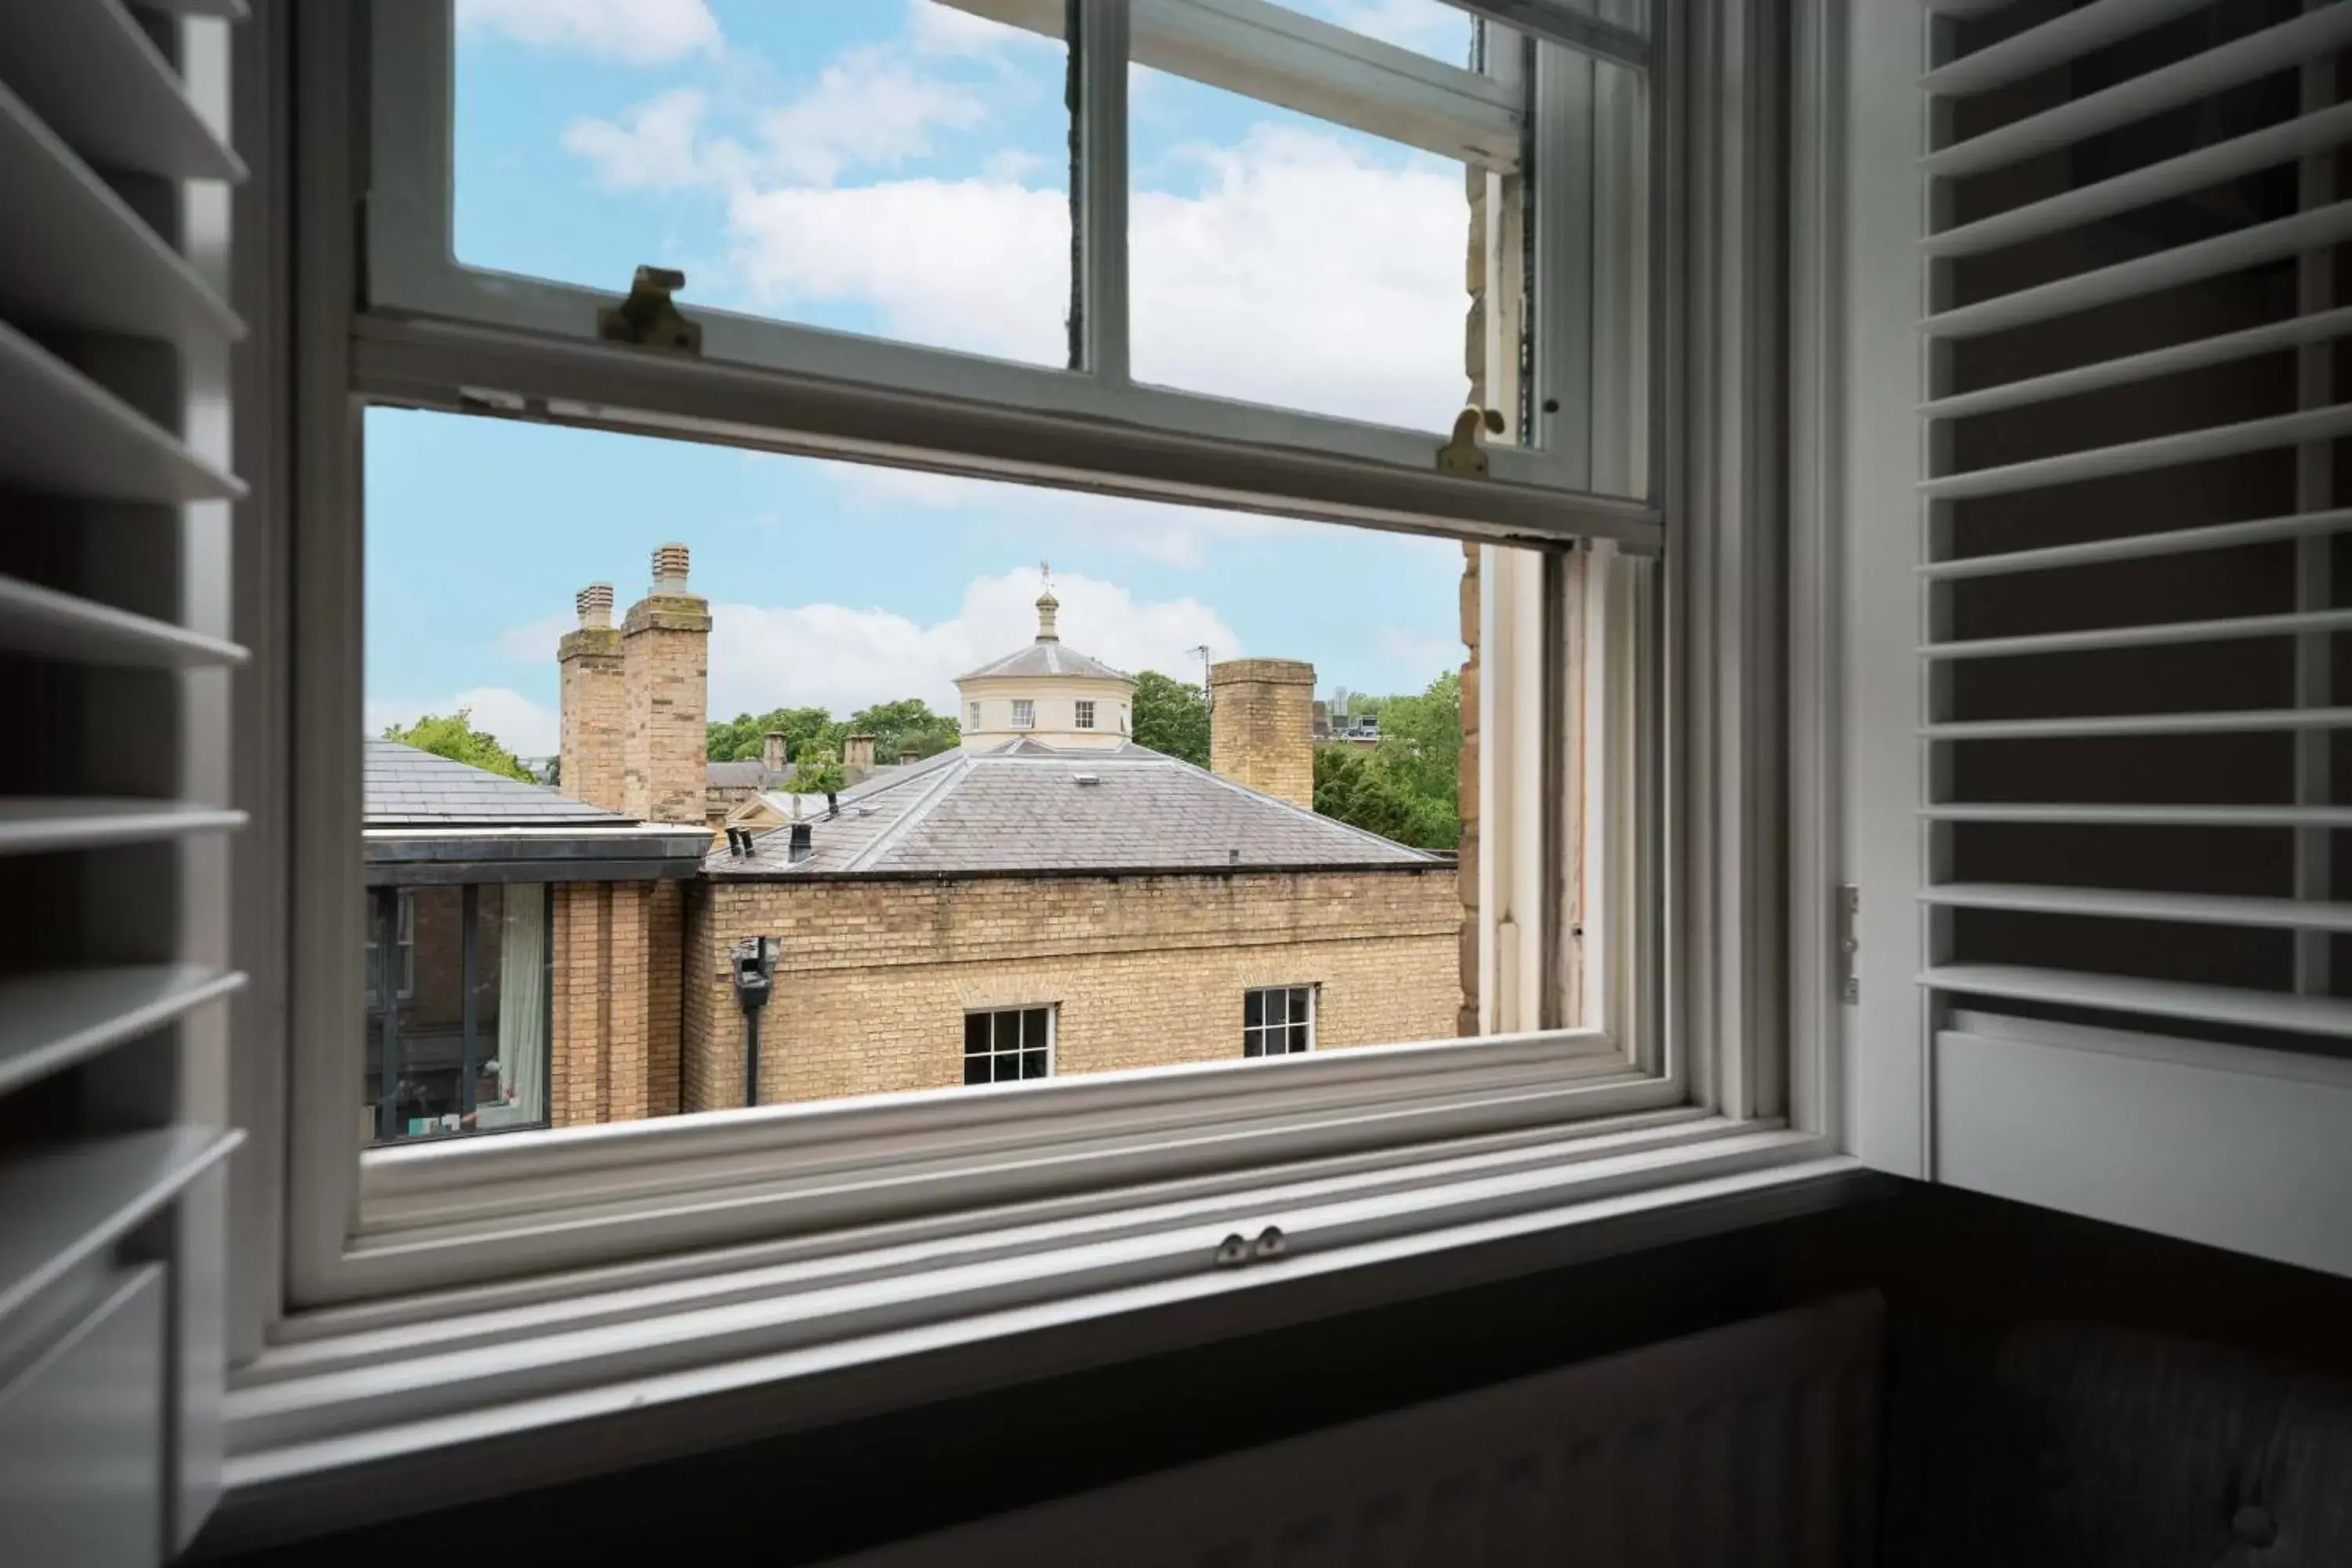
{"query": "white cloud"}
pixel 521 726
pixel 638 32
pixel 937 29
pixel 1304 275
pixel 965 264
pixel 866 108
pixel 534 642
pixel 1157 530
pixel 1426 27
pixel 657 146
pixel 1417 648
pixel 845 658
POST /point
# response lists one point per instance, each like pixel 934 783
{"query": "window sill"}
pixel 470 1401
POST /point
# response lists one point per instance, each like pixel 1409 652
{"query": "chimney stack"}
pixel 665 648
pixel 857 754
pixel 771 751
pixel 1262 726
pixel 592 703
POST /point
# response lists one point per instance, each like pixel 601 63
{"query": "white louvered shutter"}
pixel 114 605
pixel 2132 819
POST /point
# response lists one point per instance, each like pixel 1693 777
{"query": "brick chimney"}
pixel 1262 726
pixel 665 659
pixel 771 751
pixel 857 754
pixel 593 703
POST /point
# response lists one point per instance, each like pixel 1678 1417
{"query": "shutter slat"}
pixel 97 267
pixel 50 1021
pixel 2247 721
pixel 72 437
pixel 37 620
pixel 64 1206
pixel 2144 815
pixel 2156 635
pixel 2150 182
pixel 2141 546
pixel 2168 86
pixel 40 823
pixel 2066 38
pixel 2142 457
pixel 227 10
pixel 87 68
pixel 2148 274
pixel 2293 333
pixel 2198 908
pixel 2155 998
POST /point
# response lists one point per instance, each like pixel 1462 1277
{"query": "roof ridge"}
pixel 921 806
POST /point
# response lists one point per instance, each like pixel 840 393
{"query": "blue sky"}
pixel 897 168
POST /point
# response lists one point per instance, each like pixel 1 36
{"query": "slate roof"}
pixel 1046 656
pixel 404 787
pixel 749 773
pixel 1021 807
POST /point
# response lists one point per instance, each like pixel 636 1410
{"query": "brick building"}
pixel 1048 897
pixel 521 952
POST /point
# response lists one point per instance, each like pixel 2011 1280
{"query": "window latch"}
pixel 1849 911
pixel 1463 455
pixel 646 318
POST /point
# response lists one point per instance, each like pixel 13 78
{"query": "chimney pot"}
pixel 594 603
pixel 671 562
pixel 802 846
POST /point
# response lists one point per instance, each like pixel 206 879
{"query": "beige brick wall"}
pixel 665 644
pixel 594 724
pixel 875 977
pixel 1262 726
pixel 614 1023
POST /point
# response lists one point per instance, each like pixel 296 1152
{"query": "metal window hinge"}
pixel 648 319
pixel 1463 455
pixel 1849 911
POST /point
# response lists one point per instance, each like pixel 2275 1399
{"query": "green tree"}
pixel 1406 787
pixel 904 730
pixel 818 773
pixel 454 736
pixel 1171 717
pixel 742 738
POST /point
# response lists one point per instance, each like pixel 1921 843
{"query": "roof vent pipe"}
pixel 802 846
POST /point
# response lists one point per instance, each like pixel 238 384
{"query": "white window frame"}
pixel 1314 993
pixel 1082 713
pixel 1015 419
pixel 975 715
pixel 1024 713
pixel 1714 1086
pixel 1052 1011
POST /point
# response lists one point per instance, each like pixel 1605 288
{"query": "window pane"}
pixel 1278 259
pixel 837 647
pixel 900 170
pixel 1298 1040
pixel 1033 1064
pixel 1428 28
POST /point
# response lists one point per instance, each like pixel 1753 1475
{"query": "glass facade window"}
pixel 1278 1021
pixel 461 1042
pixel 1007 1043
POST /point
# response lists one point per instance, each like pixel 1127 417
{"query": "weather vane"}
pixel 1046 572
